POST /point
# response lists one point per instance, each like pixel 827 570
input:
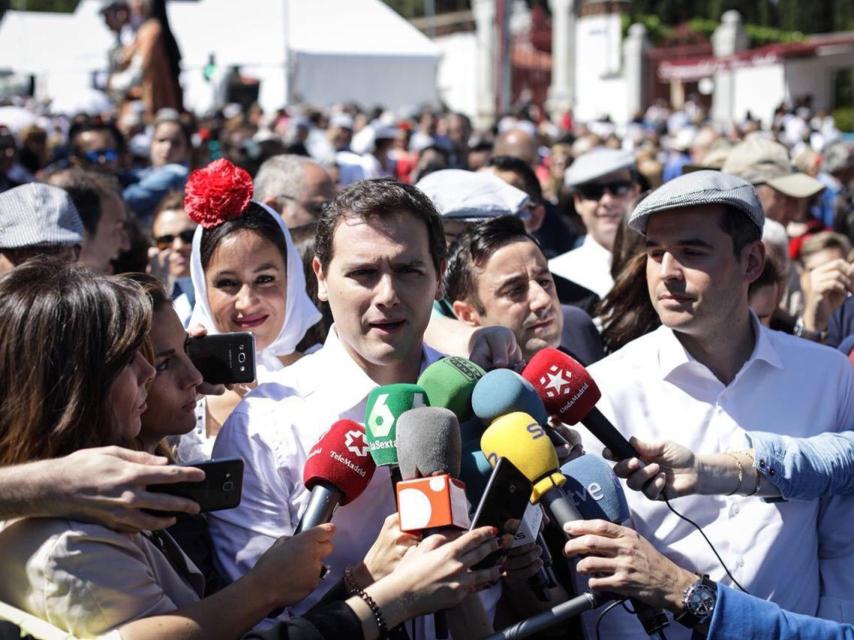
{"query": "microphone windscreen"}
pixel 564 386
pixel 384 406
pixel 340 458
pixel 428 442
pixel 520 439
pixel 503 391
pixel 449 383
pixel 595 489
pixel 475 469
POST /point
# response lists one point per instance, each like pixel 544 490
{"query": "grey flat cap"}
pixel 466 195
pixel 696 189
pixel 38 214
pixel 597 163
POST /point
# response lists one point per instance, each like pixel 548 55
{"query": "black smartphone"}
pixel 502 506
pixel 221 488
pixel 224 358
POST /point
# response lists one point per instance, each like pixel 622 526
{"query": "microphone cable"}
pixel 612 606
pixel 709 542
pixel 604 612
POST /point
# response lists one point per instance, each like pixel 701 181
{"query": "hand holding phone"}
pixel 221 488
pixel 503 505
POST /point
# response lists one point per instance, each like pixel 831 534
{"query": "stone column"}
pixel 487 47
pixel 562 90
pixel 728 38
pixel 634 68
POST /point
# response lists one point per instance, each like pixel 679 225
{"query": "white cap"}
pixel 466 195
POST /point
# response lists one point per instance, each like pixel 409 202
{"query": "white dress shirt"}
pixel 588 265
pixel 653 389
pixel 272 429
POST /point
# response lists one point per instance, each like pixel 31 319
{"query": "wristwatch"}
pixel 698 602
pixel 802 332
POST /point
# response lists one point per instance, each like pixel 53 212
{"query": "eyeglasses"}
pixel 166 241
pixel 595 191
pixel 99 156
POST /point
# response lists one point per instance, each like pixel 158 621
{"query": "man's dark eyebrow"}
pixel 163 354
pixel 688 242
pixel 511 280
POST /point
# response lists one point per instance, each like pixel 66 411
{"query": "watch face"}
pixel 701 601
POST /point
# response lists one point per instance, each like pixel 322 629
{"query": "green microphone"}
pixel 450 382
pixel 384 406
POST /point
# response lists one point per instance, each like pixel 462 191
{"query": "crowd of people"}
pixel 703 273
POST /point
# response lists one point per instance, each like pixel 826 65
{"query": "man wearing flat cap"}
pixel 35 220
pixel 710 372
pixel 603 184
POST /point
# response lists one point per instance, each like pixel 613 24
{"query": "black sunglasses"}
pixel 595 191
pixel 164 242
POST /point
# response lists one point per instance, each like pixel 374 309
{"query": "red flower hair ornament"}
pixel 218 193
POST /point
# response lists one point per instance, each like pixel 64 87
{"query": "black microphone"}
pixel 564 611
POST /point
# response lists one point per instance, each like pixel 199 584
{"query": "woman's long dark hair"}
pixel 627 312
pixel 65 335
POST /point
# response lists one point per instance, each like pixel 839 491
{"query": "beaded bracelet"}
pixel 378 614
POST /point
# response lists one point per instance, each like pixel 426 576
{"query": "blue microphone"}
pixel 595 489
pixel 503 391
pixel 597 494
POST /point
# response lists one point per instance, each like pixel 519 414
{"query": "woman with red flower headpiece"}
pixel 247 276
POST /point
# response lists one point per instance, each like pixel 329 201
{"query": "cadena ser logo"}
pixel 554 382
pixel 355 443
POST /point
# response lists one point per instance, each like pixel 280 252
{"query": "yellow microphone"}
pixel 519 438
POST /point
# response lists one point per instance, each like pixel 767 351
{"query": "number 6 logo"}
pixel 381 419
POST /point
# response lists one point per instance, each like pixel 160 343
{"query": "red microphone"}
pixel 570 395
pixel 337 471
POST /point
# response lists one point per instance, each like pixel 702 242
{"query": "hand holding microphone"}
pixel 384 555
pixel 620 560
pixel 300 558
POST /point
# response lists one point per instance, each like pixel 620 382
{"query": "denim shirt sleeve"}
pixel 738 616
pixel 806 468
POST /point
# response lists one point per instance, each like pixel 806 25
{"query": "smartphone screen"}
pixel 225 358
pixel 221 488
pixel 503 505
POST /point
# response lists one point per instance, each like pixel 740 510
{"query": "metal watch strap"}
pixel 688 618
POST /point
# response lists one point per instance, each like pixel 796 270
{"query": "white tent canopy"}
pixel 333 50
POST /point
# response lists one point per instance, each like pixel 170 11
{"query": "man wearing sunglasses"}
pixel 96 147
pixel 604 184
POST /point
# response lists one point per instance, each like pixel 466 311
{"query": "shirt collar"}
pixel 596 249
pixel 345 378
pixel 673 356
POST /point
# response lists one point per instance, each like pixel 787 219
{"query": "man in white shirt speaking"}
pixel 708 374
pixel 379 255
